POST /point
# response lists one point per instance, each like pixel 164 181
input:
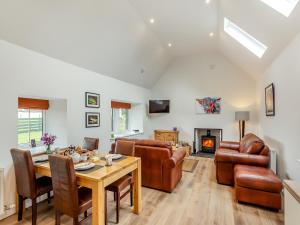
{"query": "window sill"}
pixel 126 135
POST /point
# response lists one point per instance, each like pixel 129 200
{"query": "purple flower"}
pixel 48 139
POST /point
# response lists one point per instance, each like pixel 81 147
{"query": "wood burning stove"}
pixel 208 143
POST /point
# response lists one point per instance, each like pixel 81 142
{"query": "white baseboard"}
pixel 8 213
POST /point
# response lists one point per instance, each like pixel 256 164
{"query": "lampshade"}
pixel 242 115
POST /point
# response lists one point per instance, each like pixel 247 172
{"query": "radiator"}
pixel 1 192
pixel 273 161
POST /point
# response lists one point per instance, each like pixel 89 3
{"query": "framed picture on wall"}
pixel 270 100
pixel 92 119
pixel 92 100
pixel 208 105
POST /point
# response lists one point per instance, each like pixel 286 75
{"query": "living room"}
pixel 126 56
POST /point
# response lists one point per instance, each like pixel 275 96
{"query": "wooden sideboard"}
pixel 166 135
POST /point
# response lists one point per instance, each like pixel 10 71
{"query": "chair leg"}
pixel 20 209
pixel 34 211
pixel 131 195
pixel 57 217
pixel 75 221
pixel 117 206
pixel 49 197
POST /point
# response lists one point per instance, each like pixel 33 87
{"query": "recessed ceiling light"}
pixel 170 45
pixel 245 39
pixel 211 34
pixel 285 7
pixel 152 20
pixel 207 1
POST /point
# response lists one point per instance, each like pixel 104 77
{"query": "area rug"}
pixel 189 165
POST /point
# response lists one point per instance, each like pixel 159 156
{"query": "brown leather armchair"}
pixel 161 167
pixel 251 150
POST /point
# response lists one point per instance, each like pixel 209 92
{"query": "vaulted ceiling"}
pixel 116 38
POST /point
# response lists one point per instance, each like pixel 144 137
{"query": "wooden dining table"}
pixel 98 179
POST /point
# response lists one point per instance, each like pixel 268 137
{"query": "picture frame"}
pixel 92 119
pixel 208 105
pixel 270 100
pixel 92 100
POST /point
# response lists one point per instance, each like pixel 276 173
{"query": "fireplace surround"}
pixel 207 140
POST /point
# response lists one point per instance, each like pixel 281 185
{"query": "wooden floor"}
pixel 197 200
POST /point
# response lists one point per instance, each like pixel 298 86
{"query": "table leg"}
pixel 98 201
pixel 137 189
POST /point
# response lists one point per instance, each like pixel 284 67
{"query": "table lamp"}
pixel 242 117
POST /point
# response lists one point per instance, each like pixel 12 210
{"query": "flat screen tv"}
pixel 159 106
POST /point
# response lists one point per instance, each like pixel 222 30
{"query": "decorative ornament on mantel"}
pixel 48 140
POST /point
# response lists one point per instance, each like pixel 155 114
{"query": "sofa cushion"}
pixel 257 178
pixel 235 157
pixel 251 144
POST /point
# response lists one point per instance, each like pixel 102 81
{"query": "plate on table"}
pixel 84 166
pixel 42 159
pixel 114 156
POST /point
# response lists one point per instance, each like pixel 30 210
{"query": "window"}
pixel 285 7
pixel 30 125
pixel 119 120
pixel 244 38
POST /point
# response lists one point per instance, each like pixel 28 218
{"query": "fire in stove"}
pixel 208 143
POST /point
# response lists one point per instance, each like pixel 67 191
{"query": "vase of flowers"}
pixel 48 140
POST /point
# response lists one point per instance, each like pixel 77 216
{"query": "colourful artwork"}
pixel 208 105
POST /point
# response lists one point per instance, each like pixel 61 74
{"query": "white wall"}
pixel 56 121
pixel 26 73
pixel 282 132
pixel 208 75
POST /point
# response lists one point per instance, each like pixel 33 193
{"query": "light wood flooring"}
pixel 197 200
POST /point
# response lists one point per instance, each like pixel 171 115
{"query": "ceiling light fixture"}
pixel 285 7
pixel 170 45
pixel 211 34
pixel 207 1
pixel 245 39
pixel 152 20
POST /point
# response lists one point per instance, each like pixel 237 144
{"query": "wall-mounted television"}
pixel 159 106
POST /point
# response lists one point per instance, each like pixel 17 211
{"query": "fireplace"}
pixel 207 140
pixel 208 143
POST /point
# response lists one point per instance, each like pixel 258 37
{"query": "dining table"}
pixel 100 177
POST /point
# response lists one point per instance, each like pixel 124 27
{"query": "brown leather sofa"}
pixel 251 151
pixel 161 167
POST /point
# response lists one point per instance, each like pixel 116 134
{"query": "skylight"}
pixel 245 39
pixel 285 7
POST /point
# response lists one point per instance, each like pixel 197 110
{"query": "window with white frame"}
pixel 120 120
pixel 30 125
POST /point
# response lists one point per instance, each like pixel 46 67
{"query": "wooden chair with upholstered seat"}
pixel 90 143
pixel 125 148
pixel 28 186
pixel 68 198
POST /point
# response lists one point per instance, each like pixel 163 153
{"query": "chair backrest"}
pixel 124 147
pixel 25 174
pixel 90 143
pixel 64 185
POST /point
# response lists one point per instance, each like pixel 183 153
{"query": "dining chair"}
pixel 28 186
pixel 90 143
pixel 68 198
pixel 124 148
